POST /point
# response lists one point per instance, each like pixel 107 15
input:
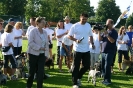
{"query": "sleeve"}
pixel 57 32
pixel 128 38
pixel 118 39
pixel 31 42
pixel 72 32
pixel 90 32
pixel 27 33
pixel 114 35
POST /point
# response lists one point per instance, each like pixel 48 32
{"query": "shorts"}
pixel 63 52
pixel 50 46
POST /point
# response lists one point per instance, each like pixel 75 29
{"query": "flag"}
pixel 124 15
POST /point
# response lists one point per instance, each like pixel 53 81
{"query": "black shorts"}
pixel 50 46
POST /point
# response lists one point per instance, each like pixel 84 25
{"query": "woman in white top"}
pixel 122 46
pixel 60 32
pixel 6 41
pixel 94 53
pixel 18 33
pixel 50 32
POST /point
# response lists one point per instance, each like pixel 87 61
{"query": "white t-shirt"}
pixel 6 38
pixel 49 32
pixel 68 26
pixel 28 30
pixel 67 41
pixel 122 46
pixel 96 43
pixel 17 33
pixel 78 31
pixel 59 32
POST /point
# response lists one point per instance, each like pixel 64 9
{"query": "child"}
pixel 65 49
pixel 94 53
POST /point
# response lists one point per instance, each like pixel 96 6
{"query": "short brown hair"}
pixel 1 20
pixel 33 18
pixel 8 28
pixel 38 20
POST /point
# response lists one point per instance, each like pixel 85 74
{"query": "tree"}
pixel 13 7
pixel 107 9
pixel 129 21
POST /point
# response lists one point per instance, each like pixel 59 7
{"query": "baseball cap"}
pixel 10 20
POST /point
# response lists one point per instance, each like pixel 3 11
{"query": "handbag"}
pixel 5 48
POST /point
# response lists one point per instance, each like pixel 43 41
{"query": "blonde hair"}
pixel 19 25
pixel 8 28
pixel 130 27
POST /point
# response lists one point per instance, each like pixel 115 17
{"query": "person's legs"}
pixel 15 51
pixel 5 64
pixel 19 50
pixel 62 53
pixel 58 54
pixel 92 60
pixel 103 63
pixel 108 62
pixel 86 64
pixel 50 50
pixel 96 57
pixel 76 65
pixel 13 62
pixel 32 69
pixel 125 53
pixel 40 71
pixel 120 59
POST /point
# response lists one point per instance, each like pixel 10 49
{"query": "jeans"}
pixel 107 59
pixel 77 73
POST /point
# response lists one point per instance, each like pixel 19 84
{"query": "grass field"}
pixel 63 80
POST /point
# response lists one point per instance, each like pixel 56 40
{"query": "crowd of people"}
pixel 84 42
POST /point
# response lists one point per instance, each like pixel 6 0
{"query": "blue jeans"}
pixel 107 59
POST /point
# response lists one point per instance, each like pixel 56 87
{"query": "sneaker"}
pixel 13 77
pixel 75 86
pixel 106 82
pixel 79 82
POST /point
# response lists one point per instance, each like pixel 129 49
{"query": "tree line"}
pixel 55 10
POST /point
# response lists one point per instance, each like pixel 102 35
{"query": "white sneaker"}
pixel 75 86
pixel 79 82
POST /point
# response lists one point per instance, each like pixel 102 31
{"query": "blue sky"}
pixel 123 4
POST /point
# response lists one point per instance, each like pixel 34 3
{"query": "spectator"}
pixel 50 32
pixel 32 22
pixel 80 33
pixel 109 38
pixel 94 53
pixel 18 33
pixel 130 35
pixel 122 47
pixel 67 23
pixel 1 26
pixel 60 31
pixel 65 50
pixel 38 51
pixel 6 40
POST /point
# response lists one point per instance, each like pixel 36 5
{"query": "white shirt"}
pixel 96 43
pixel 49 32
pixel 68 26
pixel 67 41
pixel 17 33
pixel 78 31
pixel 60 32
pixel 122 46
pixel 6 38
pixel 28 30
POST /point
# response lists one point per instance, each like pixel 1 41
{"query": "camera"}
pixel 98 26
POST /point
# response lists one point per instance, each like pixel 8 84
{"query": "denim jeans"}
pixel 107 59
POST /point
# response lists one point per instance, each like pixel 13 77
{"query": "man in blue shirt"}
pixel 130 35
pixel 109 38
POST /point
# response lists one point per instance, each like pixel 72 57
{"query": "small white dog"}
pixel 93 74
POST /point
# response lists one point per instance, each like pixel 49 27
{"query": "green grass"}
pixel 63 80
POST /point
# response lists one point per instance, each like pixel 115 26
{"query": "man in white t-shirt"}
pixel 80 33
pixel 32 22
pixel 67 23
